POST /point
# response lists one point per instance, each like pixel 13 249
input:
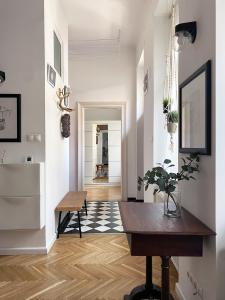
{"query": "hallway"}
pixel 94 267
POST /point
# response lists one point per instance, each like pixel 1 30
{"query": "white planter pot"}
pixel 171 127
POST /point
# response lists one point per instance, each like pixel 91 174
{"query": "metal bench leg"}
pixel 78 215
pixel 58 229
pixel 85 204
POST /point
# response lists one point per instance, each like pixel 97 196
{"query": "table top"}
pixel 73 201
pixel 148 219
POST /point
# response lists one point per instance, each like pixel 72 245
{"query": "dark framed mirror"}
pixel 195 112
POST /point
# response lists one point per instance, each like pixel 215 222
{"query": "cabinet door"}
pixel 114 140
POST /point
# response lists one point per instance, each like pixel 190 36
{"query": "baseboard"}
pixel 28 250
pixel 51 243
pixel 179 292
pixel 133 199
pixel 19 251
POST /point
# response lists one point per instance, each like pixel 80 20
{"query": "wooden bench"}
pixel 73 201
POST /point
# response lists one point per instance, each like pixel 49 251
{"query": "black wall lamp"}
pixel 186 33
pixel 2 76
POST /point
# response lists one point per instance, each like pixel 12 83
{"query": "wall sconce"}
pixel 63 95
pixel 186 33
pixel 2 76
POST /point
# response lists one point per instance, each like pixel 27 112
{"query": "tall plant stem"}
pixel 174 201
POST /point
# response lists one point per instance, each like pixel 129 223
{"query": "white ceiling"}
pixel 103 24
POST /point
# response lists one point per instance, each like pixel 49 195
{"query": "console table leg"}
pixel 165 278
pixel 147 290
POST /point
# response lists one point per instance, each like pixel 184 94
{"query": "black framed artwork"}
pixel 195 112
pixel 10 118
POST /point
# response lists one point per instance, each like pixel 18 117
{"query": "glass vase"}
pixel 172 205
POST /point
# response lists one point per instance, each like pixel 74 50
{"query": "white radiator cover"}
pixel 22 196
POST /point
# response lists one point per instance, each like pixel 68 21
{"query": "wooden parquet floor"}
pixel 96 267
pixel 103 193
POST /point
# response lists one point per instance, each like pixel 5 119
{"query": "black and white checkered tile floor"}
pixel 103 217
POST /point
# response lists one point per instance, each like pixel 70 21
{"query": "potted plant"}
pixel 166 182
pixel 166 105
pixel 172 120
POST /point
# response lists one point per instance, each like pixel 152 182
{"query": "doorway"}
pixel 102 151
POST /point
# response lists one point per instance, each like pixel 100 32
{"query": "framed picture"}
pixel 51 75
pixel 146 83
pixel 10 118
pixel 57 53
pixel 195 112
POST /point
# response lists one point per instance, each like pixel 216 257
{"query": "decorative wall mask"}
pixel 65 125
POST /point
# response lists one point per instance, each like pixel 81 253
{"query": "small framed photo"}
pixel 146 83
pixel 51 75
pixel 10 118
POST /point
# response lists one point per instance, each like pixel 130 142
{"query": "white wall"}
pixel 140 122
pixel 220 161
pixel 26 48
pixel 146 43
pixel 111 79
pixel 96 114
pixel 22 58
pixel 199 197
pixel 155 42
pixel 57 148
pixel 162 146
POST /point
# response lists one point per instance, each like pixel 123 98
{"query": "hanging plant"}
pixel 172 120
pixel 166 105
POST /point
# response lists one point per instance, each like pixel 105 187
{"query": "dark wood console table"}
pixel 150 233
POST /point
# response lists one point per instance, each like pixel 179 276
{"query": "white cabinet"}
pixel 22 196
pixel 114 133
pixel 90 152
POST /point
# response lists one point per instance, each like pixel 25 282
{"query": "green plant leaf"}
pixel 173 175
pixel 184 161
pixel 167 161
pixel 161 184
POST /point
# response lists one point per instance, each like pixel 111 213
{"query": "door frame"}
pixel 81 106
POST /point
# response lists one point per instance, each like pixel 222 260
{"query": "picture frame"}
pixel 58 51
pixel 10 118
pixel 195 112
pixel 51 75
pixel 145 88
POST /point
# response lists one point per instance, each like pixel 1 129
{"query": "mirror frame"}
pixel 206 68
